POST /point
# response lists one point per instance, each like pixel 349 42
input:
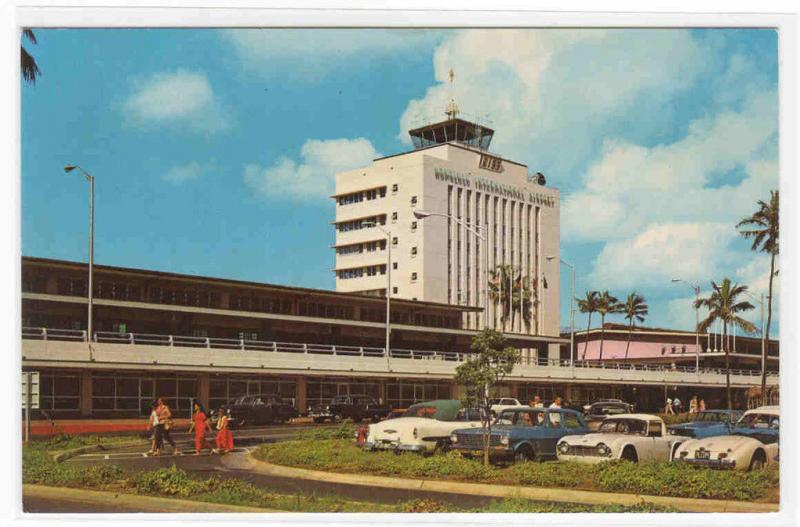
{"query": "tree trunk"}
pixel 628 345
pixel 764 399
pixel 727 366
pixel 602 334
pixel 586 344
pixel 487 423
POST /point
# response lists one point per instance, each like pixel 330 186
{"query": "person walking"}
pixel 154 427
pixel 677 404
pixel 702 405
pixel 224 435
pixel 668 408
pixel 199 425
pixel 555 417
pixel 165 422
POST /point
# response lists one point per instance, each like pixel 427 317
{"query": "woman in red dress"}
pixel 200 424
pixel 224 434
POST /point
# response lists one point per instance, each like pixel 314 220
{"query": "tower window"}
pixel 394 187
pixel 394 240
pixel 413 251
pixel 394 216
pixel 413 226
pixel 413 200
pixel 413 277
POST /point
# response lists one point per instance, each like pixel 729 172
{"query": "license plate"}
pixel 702 454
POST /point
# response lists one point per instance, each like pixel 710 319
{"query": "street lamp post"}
pixel 388 287
pixel 571 314
pixel 696 289
pixel 89 321
pixel 422 214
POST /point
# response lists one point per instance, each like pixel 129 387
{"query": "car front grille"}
pixel 475 441
pixel 581 450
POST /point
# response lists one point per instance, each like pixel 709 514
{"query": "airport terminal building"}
pixel 447 211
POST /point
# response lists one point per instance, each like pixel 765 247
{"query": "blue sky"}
pixel 214 150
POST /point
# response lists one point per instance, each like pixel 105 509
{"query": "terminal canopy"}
pixel 458 130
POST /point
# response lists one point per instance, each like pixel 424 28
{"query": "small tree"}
pixel 488 364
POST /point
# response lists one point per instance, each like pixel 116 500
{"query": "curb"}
pixel 140 501
pixel 560 495
pixel 59 457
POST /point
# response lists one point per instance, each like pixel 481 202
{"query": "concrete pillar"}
pixel 86 393
pixel 301 394
pixel 382 391
pixel 568 392
pixel 455 390
pixel 553 351
pixel 203 388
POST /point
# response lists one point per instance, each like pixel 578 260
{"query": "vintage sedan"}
pixel 634 437
pixel 503 403
pixel 598 411
pixel 522 434
pixel 424 427
pixel 260 409
pixel 706 424
pixel 751 444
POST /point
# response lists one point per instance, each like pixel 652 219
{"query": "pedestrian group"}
pixel 161 423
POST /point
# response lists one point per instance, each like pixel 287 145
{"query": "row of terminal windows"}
pixel 357 197
pixel 316 309
pixel 356 225
pixel 359 248
pixel 370 270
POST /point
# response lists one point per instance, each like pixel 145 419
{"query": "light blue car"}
pixel 707 423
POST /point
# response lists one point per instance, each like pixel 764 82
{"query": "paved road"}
pixel 228 467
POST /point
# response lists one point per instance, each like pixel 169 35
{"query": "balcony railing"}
pixel 174 341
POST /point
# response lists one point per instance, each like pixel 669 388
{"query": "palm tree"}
pixel 509 288
pixel 522 298
pixel 635 308
pixel 723 305
pixel 765 235
pixel 587 305
pixel 499 290
pixel 30 70
pixel 606 305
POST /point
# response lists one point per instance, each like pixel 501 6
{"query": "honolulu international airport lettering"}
pixel 487 185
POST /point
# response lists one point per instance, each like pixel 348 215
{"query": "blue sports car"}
pixel 706 424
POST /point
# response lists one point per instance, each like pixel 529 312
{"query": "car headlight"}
pixel 603 450
pixel 504 440
pixel 563 447
pixel 454 438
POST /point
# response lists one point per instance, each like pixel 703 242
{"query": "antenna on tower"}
pixel 452 108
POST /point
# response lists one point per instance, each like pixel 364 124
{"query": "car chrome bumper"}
pixel 583 459
pixel 709 463
pixel 380 445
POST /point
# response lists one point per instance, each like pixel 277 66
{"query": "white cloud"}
pixel 175 99
pixel 312 177
pixel 313 53
pixel 680 313
pixel 690 251
pixel 183 173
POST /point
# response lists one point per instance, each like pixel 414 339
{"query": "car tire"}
pixel 629 454
pixel 319 420
pixel 758 461
pixel 523 454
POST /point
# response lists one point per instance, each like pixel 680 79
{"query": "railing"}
pixel 353 351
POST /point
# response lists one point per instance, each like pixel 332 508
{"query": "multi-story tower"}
pixel 424 198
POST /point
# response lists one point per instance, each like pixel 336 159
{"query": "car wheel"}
pixel 758 461
pixel 523 454
pixel 629 454
pixel 319 420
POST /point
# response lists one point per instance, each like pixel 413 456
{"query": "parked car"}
pixel 600 410
pixel 635 437
pixel 498 405
pixel 396 412
pixel 424 427
pixel 752 443
pixel 260 409
pixel 707 423
pixel 355 407
pixel 522 434
pixel 587 407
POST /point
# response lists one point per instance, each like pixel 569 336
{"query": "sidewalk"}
pixel 41 428
pixel 88 499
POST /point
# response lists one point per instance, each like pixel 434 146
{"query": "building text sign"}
pixel 30 383
pixel 487 185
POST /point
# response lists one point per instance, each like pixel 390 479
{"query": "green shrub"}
pixel 346 430
pixel 172 481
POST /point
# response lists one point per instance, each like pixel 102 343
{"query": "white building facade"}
pixel 425 199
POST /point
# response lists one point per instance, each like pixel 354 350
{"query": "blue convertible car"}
pixel 706 424
pixel 522 433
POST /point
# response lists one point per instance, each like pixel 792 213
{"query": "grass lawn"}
pixel 340 454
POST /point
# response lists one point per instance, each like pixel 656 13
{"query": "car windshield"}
pixel 762 421
pixel 624 426
pixel 605 409
pixel 705 417
pixel 421 411
pixel 494 401
pixel 522 418
pixel 243 400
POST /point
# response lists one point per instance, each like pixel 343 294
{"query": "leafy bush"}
pixel 172 481
pixel 346 430
pixel 523 505
pixel 674 419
